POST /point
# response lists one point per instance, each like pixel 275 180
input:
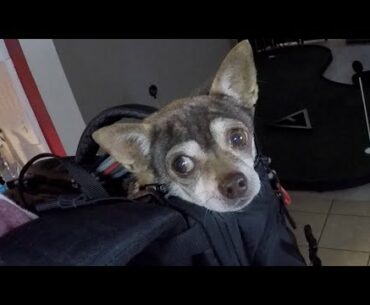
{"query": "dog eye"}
pixel 238 138
pixel 182 165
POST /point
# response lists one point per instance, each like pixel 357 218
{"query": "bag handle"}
pixel 90 187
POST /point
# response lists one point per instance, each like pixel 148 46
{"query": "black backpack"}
pixel 92 224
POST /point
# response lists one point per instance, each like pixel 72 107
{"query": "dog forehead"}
pixel 191 117
pixel 189 120
pixel 199 107
pixel 183 127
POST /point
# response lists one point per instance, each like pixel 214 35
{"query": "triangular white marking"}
pixel 294 117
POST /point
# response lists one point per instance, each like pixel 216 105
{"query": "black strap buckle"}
pixel 160 188
pixel 156 191
pixel 312 246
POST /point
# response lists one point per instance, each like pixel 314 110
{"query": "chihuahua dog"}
pixel 201 147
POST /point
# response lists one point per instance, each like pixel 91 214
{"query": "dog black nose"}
pixel 233 185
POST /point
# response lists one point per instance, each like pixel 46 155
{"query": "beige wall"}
pixel 17 119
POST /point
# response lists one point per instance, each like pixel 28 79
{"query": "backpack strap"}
pixel 89 186
pixel 312 246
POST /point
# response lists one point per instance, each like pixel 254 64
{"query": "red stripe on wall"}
pixel 34 96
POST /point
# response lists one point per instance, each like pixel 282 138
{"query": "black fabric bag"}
pixel 92 227
pixel 116 231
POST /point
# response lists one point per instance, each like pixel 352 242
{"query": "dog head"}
pixel 201 147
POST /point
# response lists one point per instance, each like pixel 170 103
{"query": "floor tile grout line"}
pixel 338 249
pixel 344 249
pixel 309 212
pixel 329 199
pixel 325 213
pixel 347 250
pixel 352 215
pixel 325 221
pixel 313 212
pixel 352 200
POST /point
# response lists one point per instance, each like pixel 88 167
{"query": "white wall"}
pixel 340 70
pixel 109 72
pixel 55 91
pixel 79 78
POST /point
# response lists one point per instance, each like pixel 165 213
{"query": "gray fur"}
pixel 233 95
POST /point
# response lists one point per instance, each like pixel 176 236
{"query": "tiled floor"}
pixel 340 222
pixel 341 219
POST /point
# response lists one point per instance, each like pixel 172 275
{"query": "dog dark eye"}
pixel 238 138
pixel 183 165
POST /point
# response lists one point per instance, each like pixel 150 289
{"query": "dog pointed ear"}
pixel 128 143
pixel 237 76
